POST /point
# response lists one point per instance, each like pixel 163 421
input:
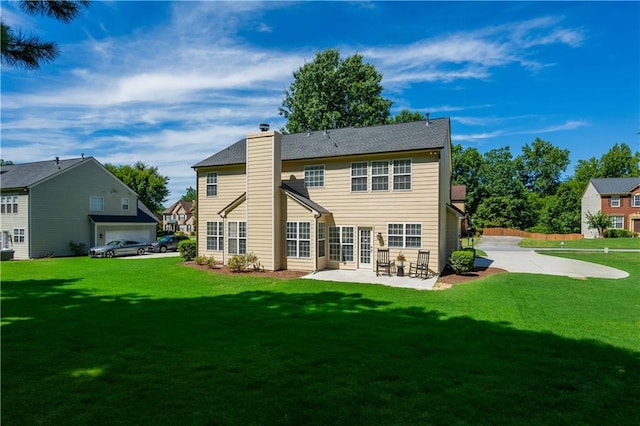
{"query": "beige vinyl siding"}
pixel 377 209
pixel 453 232
pixel 231 185
pixel 60 207
pixel 297 213
pixel 20 220
pixel 263 196
pixel 446 233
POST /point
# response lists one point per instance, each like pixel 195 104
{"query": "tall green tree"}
pixel 145 180
pixel 29 51
pixel 619 161
pixel 406 116
pixel 466 164
pixel 190 195
pixel 540 166
pixel 331 92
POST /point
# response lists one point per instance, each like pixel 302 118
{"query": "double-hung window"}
pixel 359 177
pixel 322 239
pixel 96 204
pixel 18 235
pixel 237 238
pixel 401 174
pixel 635 200
pixel 617 222
pixel 9 204
pixel 341 242
pixel 215 236
pixel 298 239
pixel 124 203
pixel 615 201
pixel 212 184
pixel 405 235
pixel 379 175
pixel 313 176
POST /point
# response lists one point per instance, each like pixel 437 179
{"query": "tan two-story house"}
pixel 45 205
pixel 178 217
pixel 329 199
pixel 617 197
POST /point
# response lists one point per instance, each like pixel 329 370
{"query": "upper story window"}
pixel 313 176
pixel 167 217
pixel 182 217
pixel 635 200
pixel 212 184
pixel 96 204
pixel 379 175
pixel 401 174
pixel 615 201
pixel 9 204
pixel 125 204
pixel 359 177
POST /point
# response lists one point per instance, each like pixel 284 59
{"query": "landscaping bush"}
pixel 252 260
pixel 211 262
pixel 187 249
pixel 78 249
pixel 617 233
pixel 200 260
pixel 461 261
pixel 237 262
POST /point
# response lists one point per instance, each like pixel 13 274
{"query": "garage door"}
pixel 139 235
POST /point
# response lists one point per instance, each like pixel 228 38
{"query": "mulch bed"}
pixel 447 279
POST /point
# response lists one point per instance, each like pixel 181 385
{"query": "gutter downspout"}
pixel 316 216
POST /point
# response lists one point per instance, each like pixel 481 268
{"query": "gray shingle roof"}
pixel 141 217
pixel 28 174
pixel 347 141
pixel 304 200
pixel 615 185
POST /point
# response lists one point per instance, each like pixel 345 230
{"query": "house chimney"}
pixel 264 127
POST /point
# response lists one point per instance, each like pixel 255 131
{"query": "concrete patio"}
pixel 369 277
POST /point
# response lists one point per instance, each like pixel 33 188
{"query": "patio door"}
pixel 364 248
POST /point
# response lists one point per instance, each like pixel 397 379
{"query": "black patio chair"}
pixel 383 262
pixel 421 267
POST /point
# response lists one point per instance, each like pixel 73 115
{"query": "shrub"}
pixel 187 249
pixel 618 233
pixel 78 249
pixel 211 262
pixel 252 260
pixel 237 262
pixel 461 261
pixel 200 260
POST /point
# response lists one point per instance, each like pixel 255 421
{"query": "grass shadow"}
pixel 267 357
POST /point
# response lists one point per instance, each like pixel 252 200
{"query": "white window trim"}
pixel 96 198
pixel 635 200
pixel 9 204
pixel 18 236
pixel 394 175
pixel 365 176
pixel 618 203
pixel 124 203
pixel 298 239
pixel 404 235
pixel 315 168
pixel 389 165
pixel 614 223
pixel 237 238
pixel 322 239
pixel 214 184
pixel 342 244
pixel 217 236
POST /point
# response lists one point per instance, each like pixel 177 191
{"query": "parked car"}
pixel 118 248
pixel 168 242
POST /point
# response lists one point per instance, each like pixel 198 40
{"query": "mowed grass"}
pixel 137 342
pixel 586 243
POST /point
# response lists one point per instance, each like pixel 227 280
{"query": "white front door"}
pixel 364 248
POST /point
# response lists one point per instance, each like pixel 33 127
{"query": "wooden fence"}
pixel 506 232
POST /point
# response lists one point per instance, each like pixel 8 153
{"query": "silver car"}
pixel 117 248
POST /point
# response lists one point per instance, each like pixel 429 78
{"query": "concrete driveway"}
pixel 504 253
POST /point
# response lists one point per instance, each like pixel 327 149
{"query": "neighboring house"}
pixel 47 204
pixel 458 197
pixel 318 200
pixel 178 217
pixel 617 197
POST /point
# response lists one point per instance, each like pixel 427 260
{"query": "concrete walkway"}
pixel 504 253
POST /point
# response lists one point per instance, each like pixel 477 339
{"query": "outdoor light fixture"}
pixel 380 239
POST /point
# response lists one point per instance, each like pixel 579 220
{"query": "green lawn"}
pixel 151 342
pixel 593 243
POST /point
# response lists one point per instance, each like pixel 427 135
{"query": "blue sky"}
pixel 170 83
